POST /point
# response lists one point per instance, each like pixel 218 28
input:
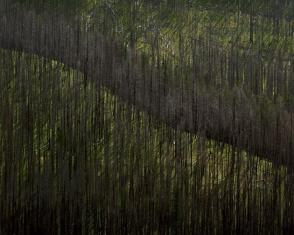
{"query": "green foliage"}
pixel 169 117
pixel 79 160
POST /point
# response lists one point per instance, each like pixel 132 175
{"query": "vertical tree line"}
pixel 124 121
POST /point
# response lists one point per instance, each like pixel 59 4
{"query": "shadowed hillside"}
pixel 117 123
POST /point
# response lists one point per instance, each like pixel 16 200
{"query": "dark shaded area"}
pixel 97 137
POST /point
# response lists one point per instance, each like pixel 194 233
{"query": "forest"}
pixel 146 117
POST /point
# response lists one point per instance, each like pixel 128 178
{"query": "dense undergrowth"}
pixel 76 158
